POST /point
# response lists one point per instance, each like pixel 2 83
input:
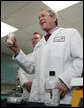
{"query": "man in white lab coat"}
pixel 62 52
pixel 25 78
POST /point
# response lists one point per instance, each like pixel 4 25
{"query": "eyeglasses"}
pixel 43 15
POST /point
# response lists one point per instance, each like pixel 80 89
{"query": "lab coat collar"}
pixel 53 30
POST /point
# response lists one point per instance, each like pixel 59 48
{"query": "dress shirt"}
pixel 48 35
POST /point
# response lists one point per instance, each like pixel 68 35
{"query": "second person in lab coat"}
pixel 26 79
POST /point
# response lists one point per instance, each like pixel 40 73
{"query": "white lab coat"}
pixel 62 53
pixel 25 77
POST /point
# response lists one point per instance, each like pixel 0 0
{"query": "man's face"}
pixel 36 38
pixel 46 21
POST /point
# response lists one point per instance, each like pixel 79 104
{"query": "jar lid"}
pixel 52 73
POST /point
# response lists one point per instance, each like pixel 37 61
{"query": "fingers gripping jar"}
pixel 10 39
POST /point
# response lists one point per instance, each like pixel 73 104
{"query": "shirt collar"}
pixel 50 33
pixel 53 30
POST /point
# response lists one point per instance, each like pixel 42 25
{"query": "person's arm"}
pixel 21 59
pixel 22 76
pixel 24 79
pixel 26 64
pixel 75 69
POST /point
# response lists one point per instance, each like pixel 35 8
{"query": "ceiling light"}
pixel 59 5
pixel 5 29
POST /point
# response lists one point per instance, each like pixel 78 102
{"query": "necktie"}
pixel 47 37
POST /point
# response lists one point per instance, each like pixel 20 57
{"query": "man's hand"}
pixel 63 89
pixel 28 86
pixel 15 47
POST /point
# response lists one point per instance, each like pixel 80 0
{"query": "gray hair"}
pixel 52 13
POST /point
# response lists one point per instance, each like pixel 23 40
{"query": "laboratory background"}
pixel 23 15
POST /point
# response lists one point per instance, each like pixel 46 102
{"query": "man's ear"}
pixel 54 18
